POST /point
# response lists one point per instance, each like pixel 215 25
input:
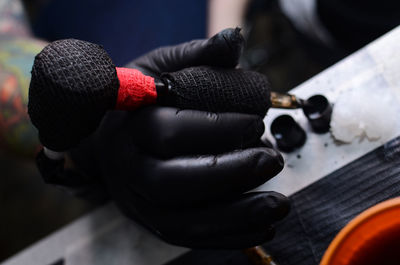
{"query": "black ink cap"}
pixel 318 111
pixel 287 133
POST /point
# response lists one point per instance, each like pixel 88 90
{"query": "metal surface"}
pixel 258 256
pixel 285 101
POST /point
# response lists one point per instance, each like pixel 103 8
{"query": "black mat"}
pixel 320 210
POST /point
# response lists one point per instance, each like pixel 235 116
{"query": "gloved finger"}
pixel 167 132
pixel 262 143
pixel 223 49
pixel 237 241
pixel 194 180
pixel 244 222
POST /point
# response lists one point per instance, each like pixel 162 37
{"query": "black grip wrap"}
pixel 218 90
pixel 73 84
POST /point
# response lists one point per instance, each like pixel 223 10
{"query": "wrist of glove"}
pixel 184 173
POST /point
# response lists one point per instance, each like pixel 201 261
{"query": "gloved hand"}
pixel 183 173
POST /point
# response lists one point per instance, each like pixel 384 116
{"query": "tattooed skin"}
pixel 16 131
pixel 12 19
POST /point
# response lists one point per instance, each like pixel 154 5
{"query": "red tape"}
pixel 135 89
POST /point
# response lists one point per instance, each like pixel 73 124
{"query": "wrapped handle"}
pixel 218 90
pixel 74 83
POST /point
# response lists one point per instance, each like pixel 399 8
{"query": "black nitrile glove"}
pixel 184 174
pixel 222 50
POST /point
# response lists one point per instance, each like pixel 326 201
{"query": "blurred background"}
pixel 289 41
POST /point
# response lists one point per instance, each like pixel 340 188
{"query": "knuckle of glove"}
pixel 253 132
pixel 155 131
pixel 160 185
pixel 267 162
pixel 164 143
pixel 267 235
pixel 151 185
pixel 176 238
pixel 191 235
pixel 204 238
pixel 277 204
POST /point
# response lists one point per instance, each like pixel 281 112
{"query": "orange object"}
pixel 372 238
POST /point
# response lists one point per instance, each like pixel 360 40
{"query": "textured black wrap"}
pixel 73 84
pixel 218 90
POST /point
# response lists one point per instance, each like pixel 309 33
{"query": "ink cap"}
pixel 318 111
pixel 288 133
